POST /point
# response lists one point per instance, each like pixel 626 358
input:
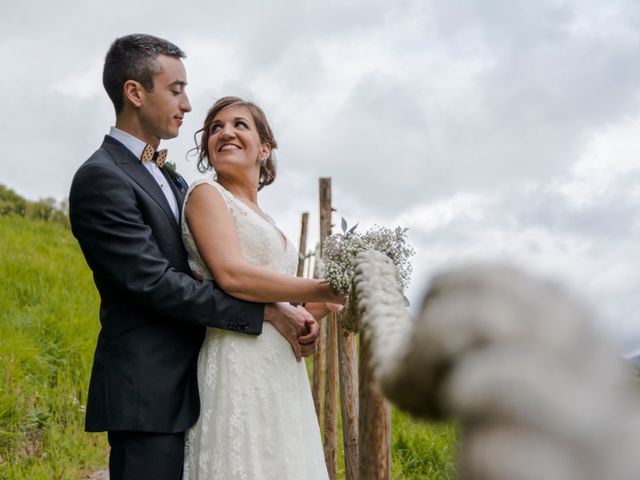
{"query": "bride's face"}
pixel 234 141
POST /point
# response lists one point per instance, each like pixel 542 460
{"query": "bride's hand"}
pixel 291 323
pixel 335 307
pixel 337 298
pixel 340 299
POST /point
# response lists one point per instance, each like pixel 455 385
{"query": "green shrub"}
pixel 11 203
pixel 46 209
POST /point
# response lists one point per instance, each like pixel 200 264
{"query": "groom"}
pixel 125 211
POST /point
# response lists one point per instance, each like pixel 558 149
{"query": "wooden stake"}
pixel 374 435
pixel 318 360
pixel 331 398
pixel 349 401
pixel 331 380
pixel 325 210
pixel 303 243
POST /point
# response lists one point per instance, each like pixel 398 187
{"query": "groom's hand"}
pixel 290 321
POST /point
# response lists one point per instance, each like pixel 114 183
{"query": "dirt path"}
pixel 99 475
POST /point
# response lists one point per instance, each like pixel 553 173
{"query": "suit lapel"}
pixel 176 193
pixel 128 162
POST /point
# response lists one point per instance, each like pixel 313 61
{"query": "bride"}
pixel 257 418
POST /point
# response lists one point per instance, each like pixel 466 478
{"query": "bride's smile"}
pixel 228 146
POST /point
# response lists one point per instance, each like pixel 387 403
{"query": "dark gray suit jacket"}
pixel 153 313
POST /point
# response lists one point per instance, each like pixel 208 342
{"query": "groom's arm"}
pixel 121 250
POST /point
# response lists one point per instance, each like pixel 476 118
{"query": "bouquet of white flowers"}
pixel 340 250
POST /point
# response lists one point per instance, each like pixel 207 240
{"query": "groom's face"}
pixel 163 108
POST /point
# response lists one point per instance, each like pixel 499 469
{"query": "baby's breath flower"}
pixel 341 249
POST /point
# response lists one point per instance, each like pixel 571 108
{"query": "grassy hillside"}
pixel 48 329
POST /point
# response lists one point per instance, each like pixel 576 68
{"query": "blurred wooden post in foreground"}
pixel 331 382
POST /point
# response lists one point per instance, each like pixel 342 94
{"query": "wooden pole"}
pixel 303 243
pixel 331 380
pixel 349 401
pixel 374 421
pixel 318 360
pixel 331 398
pixel 308 265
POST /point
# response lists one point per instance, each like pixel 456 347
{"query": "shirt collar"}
pixel 134 144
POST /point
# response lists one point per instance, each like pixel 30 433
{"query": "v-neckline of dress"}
pixel 282 237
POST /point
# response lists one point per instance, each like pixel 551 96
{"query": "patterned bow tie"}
pixel 149 154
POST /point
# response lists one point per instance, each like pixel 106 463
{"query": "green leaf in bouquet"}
pixel 406 300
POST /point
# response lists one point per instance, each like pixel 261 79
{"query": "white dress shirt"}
pixel 136 146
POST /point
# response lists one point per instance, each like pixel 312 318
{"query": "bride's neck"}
pixel 245 190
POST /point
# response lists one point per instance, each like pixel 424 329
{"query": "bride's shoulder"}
pixel 204 184
pixel 208 194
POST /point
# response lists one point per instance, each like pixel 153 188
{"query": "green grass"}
pixel 48 330
pixel 422 450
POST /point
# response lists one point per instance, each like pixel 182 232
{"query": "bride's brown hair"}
pixel 268 171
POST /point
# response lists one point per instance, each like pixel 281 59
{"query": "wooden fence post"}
pixel 302 250
pixel 317 387
pixel 331 398
pixel 331 380
pixel 374 421
pixel 349 401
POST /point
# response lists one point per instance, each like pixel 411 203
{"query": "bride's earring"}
pixel 214 174
pixel 262 161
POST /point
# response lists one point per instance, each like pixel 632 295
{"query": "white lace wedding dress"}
pixel 257 420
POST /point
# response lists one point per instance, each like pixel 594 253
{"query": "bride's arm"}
pixel 215 234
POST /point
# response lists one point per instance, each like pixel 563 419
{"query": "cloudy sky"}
pixel 494 129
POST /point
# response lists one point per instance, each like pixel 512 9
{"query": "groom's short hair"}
pixel 133 57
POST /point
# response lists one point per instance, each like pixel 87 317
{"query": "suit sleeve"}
pixel 121 248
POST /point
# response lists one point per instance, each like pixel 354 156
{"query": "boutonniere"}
pixel 178 181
